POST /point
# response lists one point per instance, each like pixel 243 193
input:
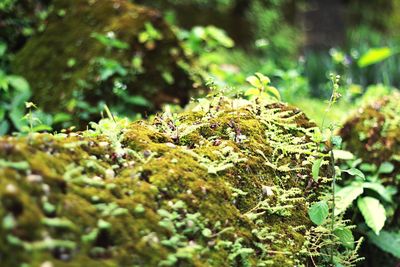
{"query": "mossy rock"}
pixel 105 50
pixel 226 183
pixel 373 135
pixel 373 132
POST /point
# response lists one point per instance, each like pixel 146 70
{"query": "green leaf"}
pixel 273 91
pixel 264 79
pixel 366 167
pixel 4 127
pixel 342 154
pixel 345 237
pixel 18 82
pixel 318 212
pixel 254 81
pixel 373 213
pixel 355 172
pixel 42 128
pixel 386 167
pixel 380 189
pixel 346 196
pixel 374 55
pixel 206 232
pixel 62 117
pixel 315 169
pixel 3 48
pixel 388 241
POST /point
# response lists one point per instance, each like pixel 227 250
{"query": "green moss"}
pixel 180 190
pixel 372 133
pixel 44 59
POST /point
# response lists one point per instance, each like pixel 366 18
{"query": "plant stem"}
pixel 333 197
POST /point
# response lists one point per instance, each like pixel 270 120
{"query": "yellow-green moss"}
pixel 179 191
pixel 373 132
pixel 68 36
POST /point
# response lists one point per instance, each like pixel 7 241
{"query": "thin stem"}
pixel 333 197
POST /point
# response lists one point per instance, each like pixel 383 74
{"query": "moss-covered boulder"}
pixel 373 132
pixel 113 50
pixel 227 183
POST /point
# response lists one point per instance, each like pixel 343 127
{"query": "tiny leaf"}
pixel 355 172
pixel 315 169
pixel 318 212
pixel 386 167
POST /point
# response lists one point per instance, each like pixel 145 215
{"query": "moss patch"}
pixel 68 58
pixel 223 184
pixel 373 132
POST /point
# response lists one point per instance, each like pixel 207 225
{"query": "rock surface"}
pixel 223 184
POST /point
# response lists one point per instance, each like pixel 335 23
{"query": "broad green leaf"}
pixel 373 213
pixel 42 128
pixel 264 79
pixel 374 55
pixel 388 241
pixel 252 92
pixel 18 82
pixel 273 91
pixel 366 167
pixel 315 169
pixel 61 117
pixel 345 237
pixel 345 196
pixel 318 212
pixel 342 154
pixel 380 189
pixel 254 81
pixel 355 172
pixel 386 167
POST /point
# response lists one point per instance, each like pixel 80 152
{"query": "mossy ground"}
pixel 223 184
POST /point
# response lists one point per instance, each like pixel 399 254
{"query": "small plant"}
pixel 261 88
pixel 374 199
pixel 34 122
pixel 327 207
pixel 150 36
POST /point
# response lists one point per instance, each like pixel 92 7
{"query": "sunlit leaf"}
pixel 373 213
pixel 254 81
pixel 272 90
pixel 374 55
pixel 252 91
pixel 380 189
pixel 355 172
pixel 343 154
pixel 345 196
